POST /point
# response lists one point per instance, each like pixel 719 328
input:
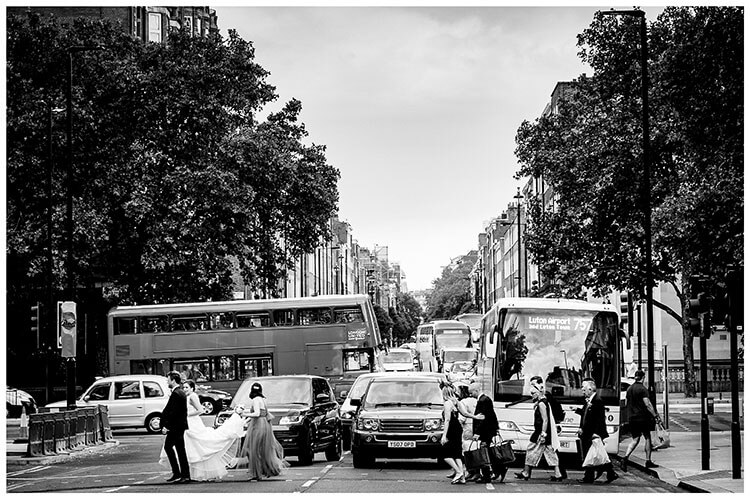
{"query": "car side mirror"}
pixel 343 394
pixel 356 402
pixel 322 398
pixel 86 398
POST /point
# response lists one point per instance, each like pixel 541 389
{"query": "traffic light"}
pixel 67 328
pixel 699 307
pixel 35 322
pixel 734 298
pixel 626 311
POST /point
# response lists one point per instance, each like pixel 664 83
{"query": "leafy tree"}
pixel 451 292
pixel 385 323
pixel 406 317
pixel 177 182
pixel 590 155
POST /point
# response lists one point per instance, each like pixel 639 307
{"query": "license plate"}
pixel 565 444
pixel 399 444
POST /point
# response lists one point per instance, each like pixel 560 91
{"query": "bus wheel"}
pixel 333 453
pixel 153 423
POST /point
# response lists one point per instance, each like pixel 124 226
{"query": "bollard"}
pixel 106 430
pixel 49 433
pixel 89 415
pixel 60 432
pixel 36 434
pixel 98 437
pixel 80 428
pixel 70 429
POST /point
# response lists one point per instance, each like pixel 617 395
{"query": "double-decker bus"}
pixel 564 342
pixel 434 336
pixel 224 342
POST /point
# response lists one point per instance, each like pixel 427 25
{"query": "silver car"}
pixel 133 400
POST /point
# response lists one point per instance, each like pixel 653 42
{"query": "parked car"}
pixel 133 400
pixel 16 401
pixel 399 416
pixel 213 400
pixel 305 414
pixel 398 360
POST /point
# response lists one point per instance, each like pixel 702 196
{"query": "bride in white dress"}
pixel 209 450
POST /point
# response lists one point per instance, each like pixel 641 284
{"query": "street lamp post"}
pixel 518 198
pixel 646 196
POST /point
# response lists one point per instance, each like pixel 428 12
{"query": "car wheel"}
pixel 208 406
pixel 153 423
pixel 360 461
pixel 306 452
pixel 333 452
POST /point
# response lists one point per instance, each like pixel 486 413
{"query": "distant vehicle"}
pixel 399 360
pixel 211 399
pixel 305 414
pixel 474 321
pixel 399 416
pixel 132 400
pixel 461 372
pixel 16 401
pixel 449 355
pixel 434 336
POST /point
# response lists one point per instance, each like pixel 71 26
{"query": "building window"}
pixel 187 23
pixel 154 27
pixel 198 26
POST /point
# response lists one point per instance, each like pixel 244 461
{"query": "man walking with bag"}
pixel 642 419
pixel 593 426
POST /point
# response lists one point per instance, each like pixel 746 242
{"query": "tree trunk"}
pixel 687 350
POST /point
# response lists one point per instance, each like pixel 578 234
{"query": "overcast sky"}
pixel 418 108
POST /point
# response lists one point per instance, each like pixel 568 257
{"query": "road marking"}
pixel 118 488
pixel 490 487
pixel 672 420
pixel 29 470
pixel 16 486
pixel 308 483
pixel 327 469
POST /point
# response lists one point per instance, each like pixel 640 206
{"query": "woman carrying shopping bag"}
pixel 485 429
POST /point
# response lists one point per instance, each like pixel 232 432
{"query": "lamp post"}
pixel 518 198
pixel 565 358
pixel 646 196
pixel 71 362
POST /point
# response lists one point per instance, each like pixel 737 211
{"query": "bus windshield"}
pixel 460 355
pixel 561 346
pixel 452 338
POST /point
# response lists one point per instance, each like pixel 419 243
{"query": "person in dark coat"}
pixel 173 425
pixel 485 429
pixel 593 426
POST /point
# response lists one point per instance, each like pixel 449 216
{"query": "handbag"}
pixel 477 458
pixel 597 454
pixel 502 450
pixel 660 437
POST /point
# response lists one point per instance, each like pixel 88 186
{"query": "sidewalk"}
pixel 680 463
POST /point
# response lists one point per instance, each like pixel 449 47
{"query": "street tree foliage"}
pixel 385 323
pixel 406 317
pixel 590 153
pixel 451 292
pixel 176 180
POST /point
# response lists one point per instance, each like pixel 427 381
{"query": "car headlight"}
pixel 291 419
pixel 346 415
pixel 433 424
pixel 507 425
pixel 368 424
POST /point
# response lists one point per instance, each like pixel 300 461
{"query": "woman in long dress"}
pixel 209 450
pixel 261 453
pixel 451 439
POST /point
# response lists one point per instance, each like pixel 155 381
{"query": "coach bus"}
pixel 564 342
pixel 225 342
pixel 434 336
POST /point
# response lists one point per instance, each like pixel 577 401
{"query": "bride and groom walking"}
pixel 196 452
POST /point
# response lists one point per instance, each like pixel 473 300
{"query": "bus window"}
pixel 193 322
pixel 253 319
pixel 222 320
pixel 255 367
pixel 197 370
pixel 155 324
pixel 126 325
pixel 347 315
pixel 223 368
pixel 313 316
pixel 283 317
pixel 357 360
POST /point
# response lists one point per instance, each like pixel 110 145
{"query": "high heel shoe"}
pixel 520 475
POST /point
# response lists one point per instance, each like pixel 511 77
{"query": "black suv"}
pixel 305 414
pixel 399 416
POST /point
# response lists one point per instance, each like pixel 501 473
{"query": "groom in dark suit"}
pixel 593 425
pixel 173 425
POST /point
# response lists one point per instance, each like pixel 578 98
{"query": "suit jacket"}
pixel 174 415
pixel 593 419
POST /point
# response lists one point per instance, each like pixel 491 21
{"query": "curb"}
pixel 694 486
pixel 63 456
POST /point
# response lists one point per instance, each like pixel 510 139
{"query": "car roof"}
pixel 125 377
pixel 402 377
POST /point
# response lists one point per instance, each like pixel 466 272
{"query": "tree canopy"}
pixel 590 154
pixel 451 292
pixel 177 183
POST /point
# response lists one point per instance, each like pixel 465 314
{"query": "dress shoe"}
pixel 520 475
pixel 611 477
pixel 651 464
pixel 584 480
pixel 184 480
pixel 173 478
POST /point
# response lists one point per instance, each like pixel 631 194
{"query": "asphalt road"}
pixel 131 467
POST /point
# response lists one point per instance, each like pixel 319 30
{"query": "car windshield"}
pixel 359 387
pixel 393 356
pixel 277 391
pixel 461 367
pixel 403 393
pixel 457 356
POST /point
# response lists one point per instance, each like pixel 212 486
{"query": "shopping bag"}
pixel 502 450
pixel 477 458
pixel 597 454
pixel 659 437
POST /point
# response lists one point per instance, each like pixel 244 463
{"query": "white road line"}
pixel 490 487
pixel 308 483
pixel 327 469
pixel 29 470
pixel 16 486
pixel 117 488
